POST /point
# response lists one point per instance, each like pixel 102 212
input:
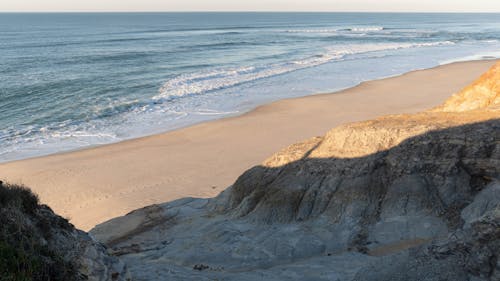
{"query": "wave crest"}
pixel 217 79
pixel 355 29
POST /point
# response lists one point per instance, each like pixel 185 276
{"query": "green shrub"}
pixel 19 196
pixel 24 225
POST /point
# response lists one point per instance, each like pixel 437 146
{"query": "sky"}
pixel 251 5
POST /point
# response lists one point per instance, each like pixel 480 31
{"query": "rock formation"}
pixel 402 197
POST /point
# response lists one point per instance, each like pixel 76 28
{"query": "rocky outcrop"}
pixel 36 244
pixel 402 197
pixel 469 253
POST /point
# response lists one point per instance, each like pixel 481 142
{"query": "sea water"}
pixel 75 80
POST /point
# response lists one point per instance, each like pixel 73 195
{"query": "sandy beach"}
pixel 93 185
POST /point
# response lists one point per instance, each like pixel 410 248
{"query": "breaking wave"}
pixel 217 79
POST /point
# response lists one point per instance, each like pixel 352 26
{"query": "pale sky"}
pixel 252 5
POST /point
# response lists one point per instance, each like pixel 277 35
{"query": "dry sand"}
pixel 93 185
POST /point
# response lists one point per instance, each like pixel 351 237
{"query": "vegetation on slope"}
pixel 25 228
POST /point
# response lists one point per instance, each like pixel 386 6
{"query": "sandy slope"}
pixel 94 185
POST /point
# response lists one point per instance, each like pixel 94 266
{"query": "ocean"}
pixel 75 80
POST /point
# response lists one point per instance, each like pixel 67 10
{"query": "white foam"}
pixel 32 141
pixel 199 82
pixel 366 28
pixel 216 79
pixel 490 41
pixel 313 30
pixel 355 29
pixel 213 112
pixel 480 56
pixel 366 48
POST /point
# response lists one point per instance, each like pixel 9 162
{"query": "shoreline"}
pixel 242 113
pixel 93 184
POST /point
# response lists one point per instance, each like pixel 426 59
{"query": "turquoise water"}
pixel 75 80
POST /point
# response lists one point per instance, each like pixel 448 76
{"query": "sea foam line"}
pixel 340 29
pixel 217 79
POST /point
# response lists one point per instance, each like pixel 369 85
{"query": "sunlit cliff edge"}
pixel 476 103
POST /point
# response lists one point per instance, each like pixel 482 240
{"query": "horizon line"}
pixel 249 11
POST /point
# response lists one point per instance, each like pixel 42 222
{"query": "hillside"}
pixel 36 244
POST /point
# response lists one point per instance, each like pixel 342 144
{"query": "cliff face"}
pixel 36 244
pixel 402 197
